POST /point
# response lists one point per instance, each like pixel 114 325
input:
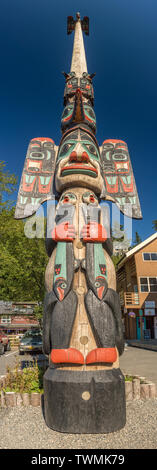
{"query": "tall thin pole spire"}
pixel 78 63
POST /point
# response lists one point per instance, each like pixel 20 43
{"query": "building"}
pixel 17 317
pixel 137 288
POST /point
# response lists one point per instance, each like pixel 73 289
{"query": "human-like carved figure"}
pixel 100 298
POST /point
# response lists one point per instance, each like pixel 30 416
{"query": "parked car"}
pixel 30 343
pixel 32 332
pixel 4 342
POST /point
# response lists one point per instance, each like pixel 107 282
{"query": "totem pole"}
pixel 84 388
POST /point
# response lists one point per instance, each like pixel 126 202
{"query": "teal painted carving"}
pixel 63 172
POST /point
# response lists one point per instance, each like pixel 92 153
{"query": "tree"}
pixel 121 243
pixel 116 258
pixel 137 239
pixel 38 312
pixel 120 240
pixel 155 225
pixel 22 261
pixel 7 186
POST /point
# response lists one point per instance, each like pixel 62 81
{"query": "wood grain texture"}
pixel 82 325
pixel 84 402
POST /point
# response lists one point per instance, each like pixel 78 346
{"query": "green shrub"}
pixel 28 380
pixel 128 378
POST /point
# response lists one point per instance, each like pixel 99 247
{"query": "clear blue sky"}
pixel 121 49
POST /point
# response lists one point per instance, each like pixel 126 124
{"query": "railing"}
pixel 14 341
pixel 131 299
pixel 121 298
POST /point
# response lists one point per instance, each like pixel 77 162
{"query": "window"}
pixel 153 256
pixel 153 284
pixel 146 256
pixel 149 256
pixel 144 284
pixel 148 284
pixel 5 319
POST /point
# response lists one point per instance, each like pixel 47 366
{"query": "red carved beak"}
pixel 100 291
pixel 60 293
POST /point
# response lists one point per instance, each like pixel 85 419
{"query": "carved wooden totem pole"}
pixel 84 388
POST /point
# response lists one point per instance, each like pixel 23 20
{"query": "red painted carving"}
pixel 64 232
pixel 93 232
pixel 115 141
pixel 75 157
pixel 127 188
pixel 70 355
pixel 43 139
pixel 80 167
pixel 45 188
pixel 100 290
pixel 57 269
pixel 101 355
pixel 34 165
pixel 112 188
pixel 28 186
pixel 59 289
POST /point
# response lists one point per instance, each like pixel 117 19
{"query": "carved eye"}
pixel 37 155
pixel 120 156
pixel 97 284
pixel 63 285
pixel 66 112
pixel 108 146
pixel 48 145
pixel 90 112
pixel 91 149
pixel 65 149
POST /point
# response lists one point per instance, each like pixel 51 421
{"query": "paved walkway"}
pixel 139 361
pixel 144 344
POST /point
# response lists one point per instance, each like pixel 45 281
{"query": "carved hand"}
pixel 93 232
pixel 64 232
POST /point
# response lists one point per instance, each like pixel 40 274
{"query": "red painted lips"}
pixel 79 167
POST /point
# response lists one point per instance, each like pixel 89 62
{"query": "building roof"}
pixel 135 249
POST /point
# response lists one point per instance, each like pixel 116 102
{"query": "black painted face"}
pixel 60 288
pixel 84 83
pixel 100 287
pixel 78 111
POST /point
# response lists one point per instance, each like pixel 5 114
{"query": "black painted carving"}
pixel 75 400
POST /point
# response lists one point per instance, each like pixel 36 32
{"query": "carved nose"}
pixel 73 157
pixel 66 199
pixel 79 157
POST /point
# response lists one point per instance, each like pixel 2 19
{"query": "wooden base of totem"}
pixel 84 402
